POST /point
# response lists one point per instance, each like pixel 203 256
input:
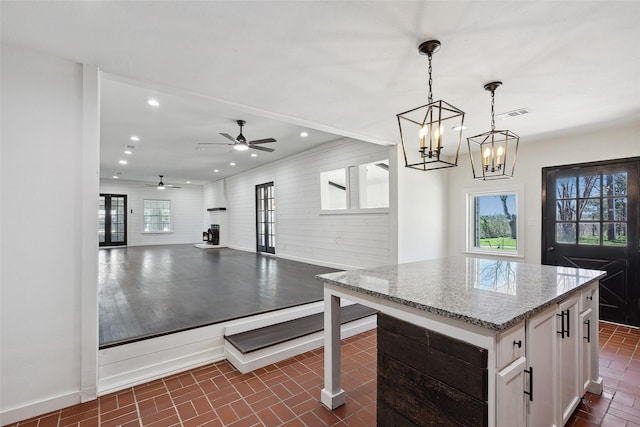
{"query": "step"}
pixel 260 347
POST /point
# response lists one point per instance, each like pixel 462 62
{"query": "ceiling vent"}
pixel 512 114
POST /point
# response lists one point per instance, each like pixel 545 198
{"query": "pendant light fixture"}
pixel 496 158
pixel 431 134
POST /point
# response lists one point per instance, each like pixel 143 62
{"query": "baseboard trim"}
pixel 38 408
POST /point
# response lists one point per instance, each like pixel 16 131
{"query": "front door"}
pixel 590 220
pixel 112 220
pixel 265 218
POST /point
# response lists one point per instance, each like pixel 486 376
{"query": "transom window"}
pixel 157 216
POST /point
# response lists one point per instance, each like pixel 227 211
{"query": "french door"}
pixel 590 220
pixel 112 220
pixel 265 218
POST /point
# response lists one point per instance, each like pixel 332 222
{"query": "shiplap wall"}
pixel 303 232
pixel 186 212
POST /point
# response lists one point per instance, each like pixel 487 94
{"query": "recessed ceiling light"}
pixel 134 138
pixel 188 182
pixel 115 176
pixel 254 155
pixel 201 148
pixel 153 102
pixel 123 162
pixel 304 134
pixel 128 152
pixel 232 164
pixel 461 127
pixel 216 170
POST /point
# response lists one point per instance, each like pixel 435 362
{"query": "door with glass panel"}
pixel 112 220
pixel 266 218
pixel 590 220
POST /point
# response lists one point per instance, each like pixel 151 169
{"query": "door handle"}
pixel 530 392
pixel 551 248
pixel 588 337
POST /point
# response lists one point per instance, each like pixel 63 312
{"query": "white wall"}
pixel 187 208
pixel 43 181
pixel 342 240
pixel 614 143
pixel 422 220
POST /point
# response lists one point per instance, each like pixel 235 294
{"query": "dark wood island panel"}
pixel 426 378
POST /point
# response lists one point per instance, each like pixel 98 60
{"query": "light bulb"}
pixel 485 156
pixel 241 147
pixel 424 131
pixel 499 155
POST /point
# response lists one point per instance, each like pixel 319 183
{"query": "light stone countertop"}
pixel 493 294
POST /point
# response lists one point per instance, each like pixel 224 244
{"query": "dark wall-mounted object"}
pixel 216 209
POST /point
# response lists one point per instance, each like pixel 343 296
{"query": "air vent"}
pixel 129 147
pixel 512 114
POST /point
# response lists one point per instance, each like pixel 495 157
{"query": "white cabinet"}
pixel 543 366
pixel 510 402
pixel 587 334
pixel 569 328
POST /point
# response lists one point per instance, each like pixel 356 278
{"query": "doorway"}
pixel 590 220
pixel 112 220
pixel 265 218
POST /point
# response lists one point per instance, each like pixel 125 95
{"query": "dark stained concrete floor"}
pixel 148 291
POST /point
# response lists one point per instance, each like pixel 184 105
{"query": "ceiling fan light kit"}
pixel 431 135
pixel 240 143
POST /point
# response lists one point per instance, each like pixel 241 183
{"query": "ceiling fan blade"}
pixel 229 137
pixel 172 186
pixel 262 148
pixel 262 141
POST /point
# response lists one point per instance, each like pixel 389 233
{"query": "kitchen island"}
pixel 472 341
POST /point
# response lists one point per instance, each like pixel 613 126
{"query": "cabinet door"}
pixel 587 330
pixel 510 397
pixel 569 356
pixel 542 358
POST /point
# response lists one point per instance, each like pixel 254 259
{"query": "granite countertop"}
pixel 493 294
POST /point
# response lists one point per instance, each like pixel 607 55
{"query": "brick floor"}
pixel 286 394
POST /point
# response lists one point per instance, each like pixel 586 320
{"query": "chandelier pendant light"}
pixel 498 149
pixel 431 134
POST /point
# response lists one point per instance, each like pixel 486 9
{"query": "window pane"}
pixel 157 216
pixel 495 222
pixel 589 186
pixel 615 184
pixel 333 189
pixel 565 233
pixel 566 210
pixel 373 187
pixel 566 188
pixel 589 209
pixel 589 233
pixel 614 209
pixel 614 234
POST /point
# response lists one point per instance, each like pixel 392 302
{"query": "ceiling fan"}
pixel 240 143
pixel 161 185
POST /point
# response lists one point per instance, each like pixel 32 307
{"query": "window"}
pixel 494 224
pixel 355 189
pixel 373 179
pixel 333 187
pixel 157 216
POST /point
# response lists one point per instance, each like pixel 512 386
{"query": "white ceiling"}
pixel 335 67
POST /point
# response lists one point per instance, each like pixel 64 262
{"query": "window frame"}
pixel 470 196
pixel 144 216
pixel 352 190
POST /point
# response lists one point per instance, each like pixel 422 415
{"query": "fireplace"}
pixel 212 235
